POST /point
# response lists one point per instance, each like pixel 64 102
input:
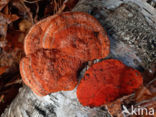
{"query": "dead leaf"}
pixel 3 3
pixel 145 98
pixel 142 94
pixel 3 27
pixel 4 21
pixel 23 9
pixel 2 99
pixel 12 18
pixel 3 43
pixel 25 25
pixel 115 108
pixel 15 40
pixel 3 69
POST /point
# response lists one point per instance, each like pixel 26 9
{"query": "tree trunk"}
pixel 131 26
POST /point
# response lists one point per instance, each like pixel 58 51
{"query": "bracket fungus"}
pixel 76 33
pixel 106 81
pixel 57 46
pixel 47 71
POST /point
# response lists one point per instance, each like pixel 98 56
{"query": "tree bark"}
pixel 131 26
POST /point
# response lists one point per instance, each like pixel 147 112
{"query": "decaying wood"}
pixel 131 26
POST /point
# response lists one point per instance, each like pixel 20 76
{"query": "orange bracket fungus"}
pixel 56 48
pixel 106 81
pixel 47 71
pixel 76 33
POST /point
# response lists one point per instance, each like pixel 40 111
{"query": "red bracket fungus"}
pixel 57 46
pixel 106 81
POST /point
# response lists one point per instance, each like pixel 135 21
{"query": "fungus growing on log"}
pixel 47 71
pixel 56 48
pixel 106 81
pixel 76 33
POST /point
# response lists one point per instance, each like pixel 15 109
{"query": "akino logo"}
pixel 137 110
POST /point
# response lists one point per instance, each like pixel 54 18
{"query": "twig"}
pixel 60 10
pixel 37 11
pixel 146 103
pixel 151 82
pixel 32 2
pixel 28 11
pixel 12 83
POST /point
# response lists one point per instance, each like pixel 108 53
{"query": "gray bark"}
pixel 131 26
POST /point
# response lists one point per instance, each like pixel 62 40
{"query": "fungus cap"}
pixel 106 81
pixel 80 29
pixel 48 71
